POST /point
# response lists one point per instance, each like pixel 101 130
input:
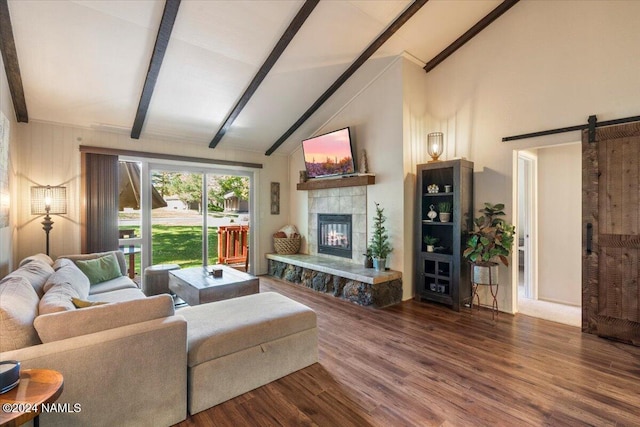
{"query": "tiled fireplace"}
pixel 350 201
pixel 340 274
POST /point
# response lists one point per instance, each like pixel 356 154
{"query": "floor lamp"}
pixel 48 200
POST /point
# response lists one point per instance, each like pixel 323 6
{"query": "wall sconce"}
pixel 435 145
pixel 48 200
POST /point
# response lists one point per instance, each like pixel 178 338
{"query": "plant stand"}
pixel 493 288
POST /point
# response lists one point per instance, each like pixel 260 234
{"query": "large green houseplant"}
pixel 379 244
pixel 489 242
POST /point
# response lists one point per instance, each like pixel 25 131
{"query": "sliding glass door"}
pixel 181 210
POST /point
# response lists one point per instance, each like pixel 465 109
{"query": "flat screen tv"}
pixel 330 154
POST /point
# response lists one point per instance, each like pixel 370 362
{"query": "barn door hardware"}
pixel 591 125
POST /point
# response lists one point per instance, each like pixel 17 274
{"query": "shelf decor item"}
pixel 432 189
pixel 445 211
pixel 430 241
pixel 435 145
pixel 368 259
pixel 432 214
pixel 379 245
pixel 490 242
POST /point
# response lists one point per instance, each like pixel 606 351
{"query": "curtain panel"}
pixel 100 181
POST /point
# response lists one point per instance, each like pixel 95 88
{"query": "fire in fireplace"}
pixel 334 234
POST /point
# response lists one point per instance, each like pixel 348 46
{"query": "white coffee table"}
pixel 196 285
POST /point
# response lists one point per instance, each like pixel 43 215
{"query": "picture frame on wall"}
pixel 275 198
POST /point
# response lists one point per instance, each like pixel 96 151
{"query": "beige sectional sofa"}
pixel 135 360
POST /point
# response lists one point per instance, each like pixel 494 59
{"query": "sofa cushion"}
pixel 70 275
pixel 225 327
pixel 61 262
pixel 80 303
pixel 37 257
pixel 122 282
pixel 83 257
pixel 36 272
pixel 58 298
pixel 59 326
pixel 18 309
pixel 100 269
pixel 118 295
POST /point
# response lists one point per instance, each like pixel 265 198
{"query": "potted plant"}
pixel 430 241
pixel 491 241
pixel 445 211
pixel 379 244
pixel 368 259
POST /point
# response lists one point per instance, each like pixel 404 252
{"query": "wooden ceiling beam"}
pixel 282 44
pixel 11 66
pixel 370 50
pixel 471 33
pixel 162 41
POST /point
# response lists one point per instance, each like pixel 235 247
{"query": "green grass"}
pixel 182 245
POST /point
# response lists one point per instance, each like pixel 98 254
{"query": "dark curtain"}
pixel 101 186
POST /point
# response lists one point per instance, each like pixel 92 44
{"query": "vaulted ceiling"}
pixel 84 63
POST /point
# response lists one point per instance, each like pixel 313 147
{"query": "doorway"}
pixel 549 235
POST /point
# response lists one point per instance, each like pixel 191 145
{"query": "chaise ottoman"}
pixel 243 343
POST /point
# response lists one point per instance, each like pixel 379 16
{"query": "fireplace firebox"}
pixel 334 235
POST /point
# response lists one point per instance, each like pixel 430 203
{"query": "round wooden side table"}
pixel 22 403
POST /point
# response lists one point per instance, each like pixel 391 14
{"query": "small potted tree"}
pixel 379 244
pixel 491 241
pixel 430 241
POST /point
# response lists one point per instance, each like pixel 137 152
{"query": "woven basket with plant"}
pixel 286 245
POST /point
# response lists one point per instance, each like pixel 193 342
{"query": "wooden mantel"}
pixel 345 181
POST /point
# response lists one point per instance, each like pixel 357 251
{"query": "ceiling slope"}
pixel 162 41
pixel 279 48
pixel 83 62
pixel 11 65
pixel 369 51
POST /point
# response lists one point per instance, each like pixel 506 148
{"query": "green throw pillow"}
pixel 101 269
pixel 80 303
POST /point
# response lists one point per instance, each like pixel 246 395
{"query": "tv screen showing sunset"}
pixel 328 154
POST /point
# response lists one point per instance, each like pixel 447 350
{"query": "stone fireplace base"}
pixel 344 280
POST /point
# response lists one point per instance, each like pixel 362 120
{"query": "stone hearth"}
pixel 363 286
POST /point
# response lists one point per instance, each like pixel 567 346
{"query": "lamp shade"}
pixel 48 200
pixel 435 145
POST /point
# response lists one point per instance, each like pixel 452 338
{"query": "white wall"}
pixel 375 116
pixel 559 224
pixel 8 234
pixel 542 65
pixel 49 154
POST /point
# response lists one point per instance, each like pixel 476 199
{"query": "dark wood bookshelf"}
pixel 443 276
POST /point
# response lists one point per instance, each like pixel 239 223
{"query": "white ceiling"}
pixel 84 63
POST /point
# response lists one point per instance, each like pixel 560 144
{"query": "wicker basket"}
pixel 286 245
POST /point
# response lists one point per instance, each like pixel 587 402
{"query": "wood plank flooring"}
pixel 417 364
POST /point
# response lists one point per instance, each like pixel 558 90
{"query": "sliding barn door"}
pixel 611 233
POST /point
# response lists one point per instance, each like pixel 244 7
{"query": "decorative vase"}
pixel 368 262
pixel 379 263
pixel 485 274
pixel 445 216
pixel 429 248
pixel 432 214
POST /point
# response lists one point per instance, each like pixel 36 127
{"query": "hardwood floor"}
pixel 416 364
